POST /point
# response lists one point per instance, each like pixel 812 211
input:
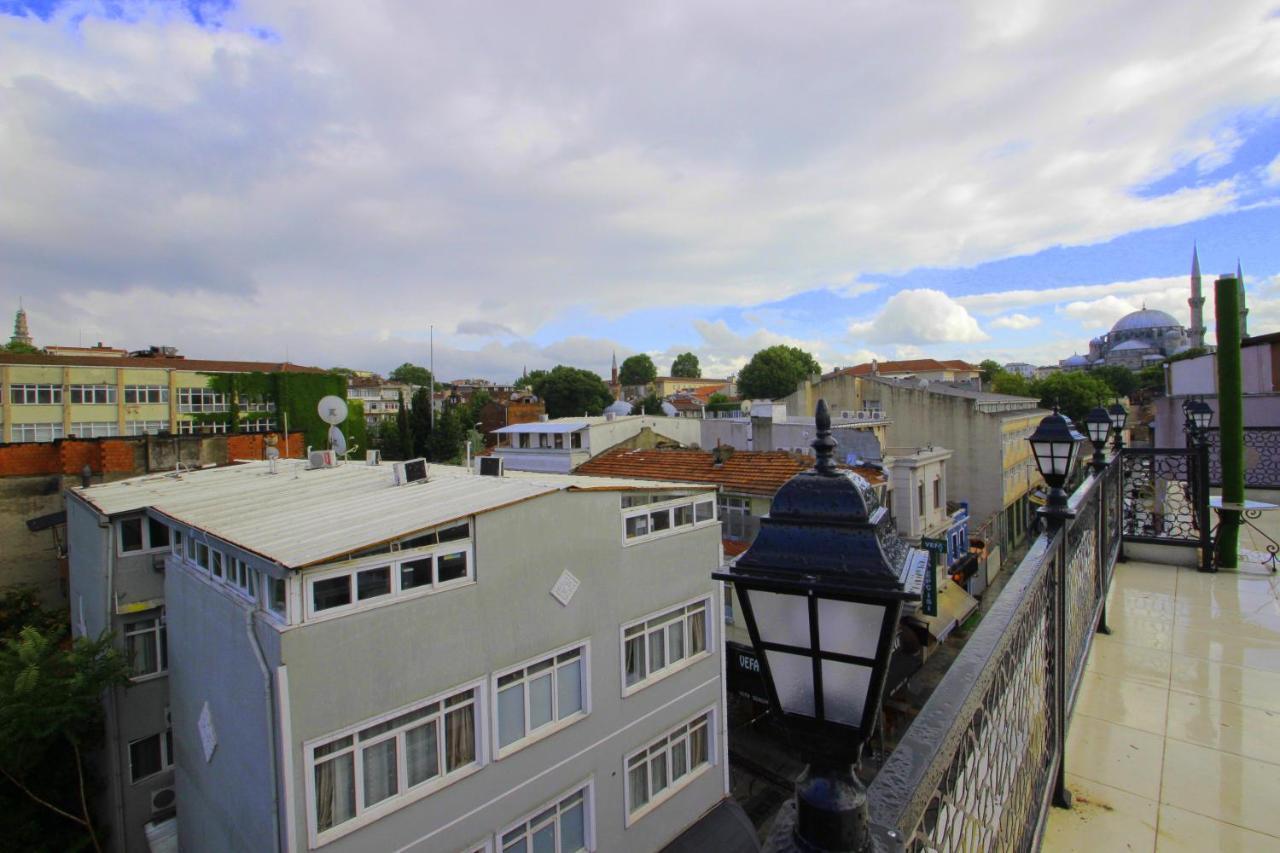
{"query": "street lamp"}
pixel 1098 423
pixel 1055 444
pixel 1200 415
pixel 821 589
pixel 1119 415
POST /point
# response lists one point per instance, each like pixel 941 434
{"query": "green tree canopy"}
pixel 413 438
pixel 411 374
pixel 1121 379
pixel 686 366
pixel 19 348
pixel 1004 382
pixel 988 369
pixel 774 372
pixel 1150 380
pixel 1074 392
pixel 717 399
pixel 651 404
pixel 527 381
pixel 637 370
pixel 571 391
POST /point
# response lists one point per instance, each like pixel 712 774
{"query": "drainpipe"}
pixel 269 701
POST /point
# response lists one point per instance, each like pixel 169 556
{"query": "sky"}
pixel 532 184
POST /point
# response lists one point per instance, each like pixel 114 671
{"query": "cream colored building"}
pixel 47 397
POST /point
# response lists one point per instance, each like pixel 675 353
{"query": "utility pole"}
pixel 431 367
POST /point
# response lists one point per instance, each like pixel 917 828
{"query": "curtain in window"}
pixel 540 710
pixel 569 688
pixel 460 737
pixel 379 764
pixel 635 659
pixel 510 714
pixel 141 651
pixel 422 759
pixel 698 745
pixel 697 632
pixel 639 779
pixel 573 828
pixel 335 792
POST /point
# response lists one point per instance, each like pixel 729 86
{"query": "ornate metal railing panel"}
pixel 1161 501
pixel 1261 457
pixel 978 767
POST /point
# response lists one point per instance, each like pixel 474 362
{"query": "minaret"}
pixel 21 335
pixel 613 381
pixel 1195 335
pixel 1244 309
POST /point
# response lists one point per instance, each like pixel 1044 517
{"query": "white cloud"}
pixel 996 301
pixel 1272 172
pixel 1015 321
pixel 920 316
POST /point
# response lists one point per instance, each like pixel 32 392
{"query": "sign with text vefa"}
pixel 937 549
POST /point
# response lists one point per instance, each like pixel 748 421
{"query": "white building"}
pixel 559 445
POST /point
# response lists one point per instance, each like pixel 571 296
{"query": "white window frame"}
pixel 393 561
pixel 734 507
pixel 208 428
pixel 672 787
pixel 555 725
pixel 265 584
pixel 147 546
pixel 201 399
pixel 144 395
pixel 404 796
pixel 588 789
pixel 145 427
pixel 668 506
pixel 37 433
pixel 263 424
pixel 653 676
pixel 99 394
pixel 30 394
pixel 166 755
pixel 255 404
pixel 159 637
pixel 94 429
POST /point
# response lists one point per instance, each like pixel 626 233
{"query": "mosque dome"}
pixel 1130 345
pixel 1147 318
pixel 619 408
pixel 1076 361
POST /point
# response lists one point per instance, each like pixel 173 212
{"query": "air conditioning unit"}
pixel 847 415
pixel 322 459
pixel 373 457
pixel 862 414
pixel 490 466
pixel 410 471
pixel 163 800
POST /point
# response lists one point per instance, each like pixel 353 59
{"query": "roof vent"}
pixel 321 459
pixel 491 466
pixel 410 471
pixel 721 454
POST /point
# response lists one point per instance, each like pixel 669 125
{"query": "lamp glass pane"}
pixel 1060 457
pixel 793 679
pixel 1098 431
pixel 849 628
pixel 844 691
pixel 782 619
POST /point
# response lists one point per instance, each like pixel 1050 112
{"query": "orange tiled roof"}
pixel 754 472
pixel 704 393
pixel 914 365
pixel 734 548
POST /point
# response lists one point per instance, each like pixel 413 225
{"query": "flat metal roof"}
pixel 300 517
pixel 545 427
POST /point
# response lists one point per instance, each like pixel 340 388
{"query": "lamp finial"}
pixel 824 444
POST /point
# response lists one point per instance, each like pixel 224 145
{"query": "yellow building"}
pixel 46 397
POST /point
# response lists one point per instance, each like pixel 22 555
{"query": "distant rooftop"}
pixel 915 365
pixel 158 361
pixel 299 518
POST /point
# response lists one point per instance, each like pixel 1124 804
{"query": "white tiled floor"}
pixel 1175 743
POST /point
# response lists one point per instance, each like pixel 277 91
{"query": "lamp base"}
pixel 831 811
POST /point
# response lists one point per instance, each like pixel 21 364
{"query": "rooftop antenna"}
pixel 333 411
pixel 431 368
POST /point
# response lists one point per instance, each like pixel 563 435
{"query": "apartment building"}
pixel 767 425
pixel 559 445
pixel 455 663
pixel 48 397
pixel 380 398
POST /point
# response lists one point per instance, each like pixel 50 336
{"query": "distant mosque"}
pixel 1148 336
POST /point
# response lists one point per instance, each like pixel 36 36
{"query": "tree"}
pixel 571 391
pixel 529 379
pixel 775 372
pixel 444 444
pixel 651 404
pixel 50 716
pixel 345 372
pixel 637 370
pixel 20 348
pixel 716 399
pixel 1119 378
pixel 1073 392
pixel 1150 380
pixel 686 366
pixel 414 440
pixel 988 369
pixel 411 374
pixel 1004 382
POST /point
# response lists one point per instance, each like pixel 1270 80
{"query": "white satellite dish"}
pixel 332 409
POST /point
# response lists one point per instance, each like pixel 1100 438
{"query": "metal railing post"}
pixel 1103 551
pixel 1120 557
pixel 1061 796
pixel 1200 460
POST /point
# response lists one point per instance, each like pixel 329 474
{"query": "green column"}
pixel 1226 300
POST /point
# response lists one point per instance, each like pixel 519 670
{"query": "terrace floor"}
pixel 1175 742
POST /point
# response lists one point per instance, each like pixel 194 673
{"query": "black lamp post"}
pixel 1055 444
pixel 821 589
pixel 1119 415
pixel 1200 416
pixel 1098 424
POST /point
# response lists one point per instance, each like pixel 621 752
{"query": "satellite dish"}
pixel 332 409
pixel 337 441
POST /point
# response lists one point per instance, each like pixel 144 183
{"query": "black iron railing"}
pixel 983 760
pixel 1261 457
pixel 1166 497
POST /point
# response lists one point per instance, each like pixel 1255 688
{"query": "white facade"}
pixel 559 445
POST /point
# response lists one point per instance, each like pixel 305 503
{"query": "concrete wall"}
pixel 1260 410
pixel 351 669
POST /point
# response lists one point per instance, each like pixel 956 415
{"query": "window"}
pixel 209 428
pixel 544 440
pixel 385 762
pixel 575 440
pixel 258 425
pixel 89 395
pixel 94 429
pixel 146 646
pixel 276 596
pixel 145 427
pixel 415 573
pixel 150 755
pixel 524 439
pixel 937 492
pixel 136 394
pixel 142 534
pixel 201 400
pixel 735 515
pixel 920 496
pixel 667 765
pixel 657 644
pixel 37 432
pixel 559 827
pixel 241 576
pixel 255 404
pixel 534 697
pixel 659 519
pixel 31 395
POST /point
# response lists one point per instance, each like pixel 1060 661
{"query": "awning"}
pixel 543 427
pixel 44 522
pixel 724 829
pixel 1038 497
